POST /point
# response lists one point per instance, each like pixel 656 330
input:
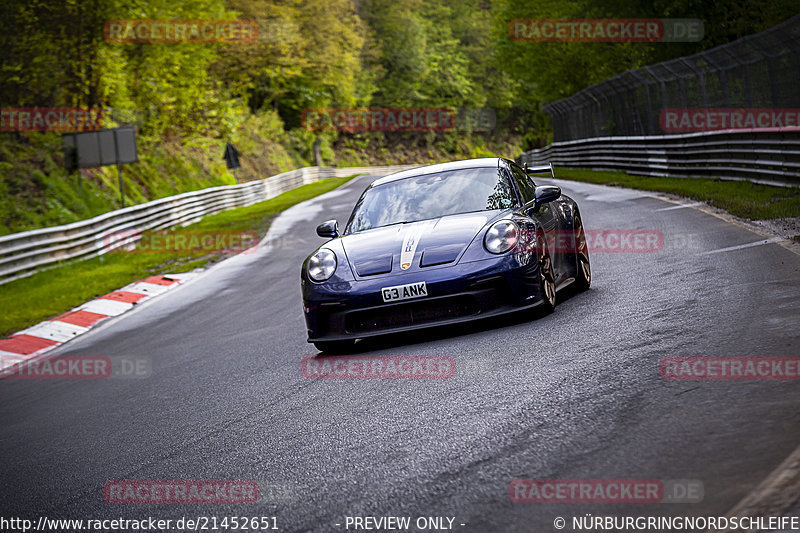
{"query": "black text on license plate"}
pixel 404 292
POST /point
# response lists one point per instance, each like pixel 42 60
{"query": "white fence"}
pixel 22 254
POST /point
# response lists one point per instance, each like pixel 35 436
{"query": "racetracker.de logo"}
pixel 50 119
pixel 376 367
pixel 606 491
pixel 180 31
pixel 730 368
pixel 74 367
pixel 622 240
pixel 64 367
pixel 180 492
pixel 359 119
pixel 379 119
pixel 675 120
pixel 181 241
pixel 614 241
pixel 586 491
pixel 606 30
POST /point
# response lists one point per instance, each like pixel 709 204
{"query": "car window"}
pixel 527 188
pixel 431 196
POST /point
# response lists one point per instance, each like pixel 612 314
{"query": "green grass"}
pixel 740 198
pixel 36 191
pixel 26 301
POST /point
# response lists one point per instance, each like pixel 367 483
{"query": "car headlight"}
pixel 322 265
pixel 501 237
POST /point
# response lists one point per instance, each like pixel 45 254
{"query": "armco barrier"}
pixel 770 156
pixel 22 254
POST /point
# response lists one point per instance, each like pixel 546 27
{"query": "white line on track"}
pixel 695 204
pixel 748 245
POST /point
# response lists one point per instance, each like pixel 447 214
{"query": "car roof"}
pixel 484 162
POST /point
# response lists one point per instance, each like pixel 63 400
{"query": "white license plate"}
pixel 404 292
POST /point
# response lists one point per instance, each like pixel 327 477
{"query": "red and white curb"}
pixel 45 336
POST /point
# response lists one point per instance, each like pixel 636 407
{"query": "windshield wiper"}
pixel 396 223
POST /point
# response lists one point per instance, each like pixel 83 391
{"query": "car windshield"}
pixel 432 196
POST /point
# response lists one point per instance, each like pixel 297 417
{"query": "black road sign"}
pixel 90 149
pixel 231 156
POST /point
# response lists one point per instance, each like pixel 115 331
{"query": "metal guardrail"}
pixel 770 156
pixel 25 253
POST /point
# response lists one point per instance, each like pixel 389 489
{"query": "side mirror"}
pixel 547 193
pixel 328 229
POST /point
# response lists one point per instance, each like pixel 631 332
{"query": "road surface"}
pixel 573 395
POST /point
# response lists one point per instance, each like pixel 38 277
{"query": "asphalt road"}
pixel 573 395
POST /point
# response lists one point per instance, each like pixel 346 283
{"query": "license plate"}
pixel 404 292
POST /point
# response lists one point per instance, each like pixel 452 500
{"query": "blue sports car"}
pixel 443 244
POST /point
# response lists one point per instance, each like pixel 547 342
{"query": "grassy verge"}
pixel 46 294
pixel 36 191
pixel 740 198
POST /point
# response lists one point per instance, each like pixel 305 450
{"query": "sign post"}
pixel 91 149
pixel 119 173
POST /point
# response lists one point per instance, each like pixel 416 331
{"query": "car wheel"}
pixel 583 269
pixel 547 280
pixel 335 347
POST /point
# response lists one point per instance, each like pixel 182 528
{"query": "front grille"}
pixel 411 313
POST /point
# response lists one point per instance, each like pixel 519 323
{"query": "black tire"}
pixel 583 268
pixel 335 347
pixel 547 280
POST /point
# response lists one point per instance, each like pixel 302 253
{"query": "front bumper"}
pixel 463 292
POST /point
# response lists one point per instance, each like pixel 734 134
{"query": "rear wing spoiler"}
pixel 538 169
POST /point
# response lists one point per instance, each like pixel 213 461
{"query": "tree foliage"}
pixel 313 53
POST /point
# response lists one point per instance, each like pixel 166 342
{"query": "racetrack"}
pixel 573 395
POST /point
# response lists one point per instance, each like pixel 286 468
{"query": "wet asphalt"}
pixel 573 395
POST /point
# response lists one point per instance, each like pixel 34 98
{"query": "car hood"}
pixel 413 246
